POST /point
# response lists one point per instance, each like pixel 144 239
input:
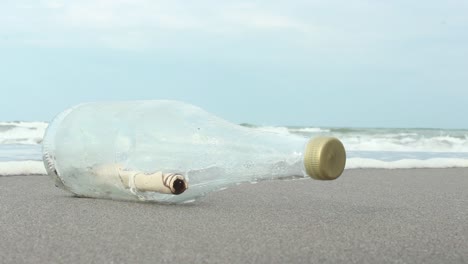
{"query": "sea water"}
pixel 389 148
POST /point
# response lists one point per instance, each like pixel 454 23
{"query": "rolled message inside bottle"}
pixel 168 183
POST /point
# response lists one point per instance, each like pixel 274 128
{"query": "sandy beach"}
pixel 367 216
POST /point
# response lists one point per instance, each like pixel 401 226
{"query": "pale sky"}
pixel 312 63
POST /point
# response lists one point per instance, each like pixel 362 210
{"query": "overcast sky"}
pixel 313 63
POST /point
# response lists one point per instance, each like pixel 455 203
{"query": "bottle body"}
pixel 107 149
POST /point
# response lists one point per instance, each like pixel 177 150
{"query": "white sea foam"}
pixel 37 167
pixel 368 147
pixel 22 132
pixel 309 130
pixel 29 167
pixel 293 130
pixel 375 139
pixel 360 163
pixel 405 144
pixel 273 129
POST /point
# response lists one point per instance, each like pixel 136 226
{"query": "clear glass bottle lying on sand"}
pixel 169 151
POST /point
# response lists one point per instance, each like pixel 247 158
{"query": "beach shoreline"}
pixel 366 216
pixel 300 177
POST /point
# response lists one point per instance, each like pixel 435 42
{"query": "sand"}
pixel 367 216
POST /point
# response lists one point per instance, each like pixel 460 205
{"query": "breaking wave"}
pixel 387 148
pixel 22 132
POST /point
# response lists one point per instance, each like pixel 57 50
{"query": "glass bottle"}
pixel 170 151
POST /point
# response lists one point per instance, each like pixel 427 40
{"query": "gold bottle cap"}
pixel 324 158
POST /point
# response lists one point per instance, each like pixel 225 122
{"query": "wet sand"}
pixel 366 216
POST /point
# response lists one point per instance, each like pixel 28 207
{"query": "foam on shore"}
pixel 29 167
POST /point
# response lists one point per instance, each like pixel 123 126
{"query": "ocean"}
pixel 388 148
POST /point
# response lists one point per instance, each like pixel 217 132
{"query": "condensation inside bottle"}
pixel 162 136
